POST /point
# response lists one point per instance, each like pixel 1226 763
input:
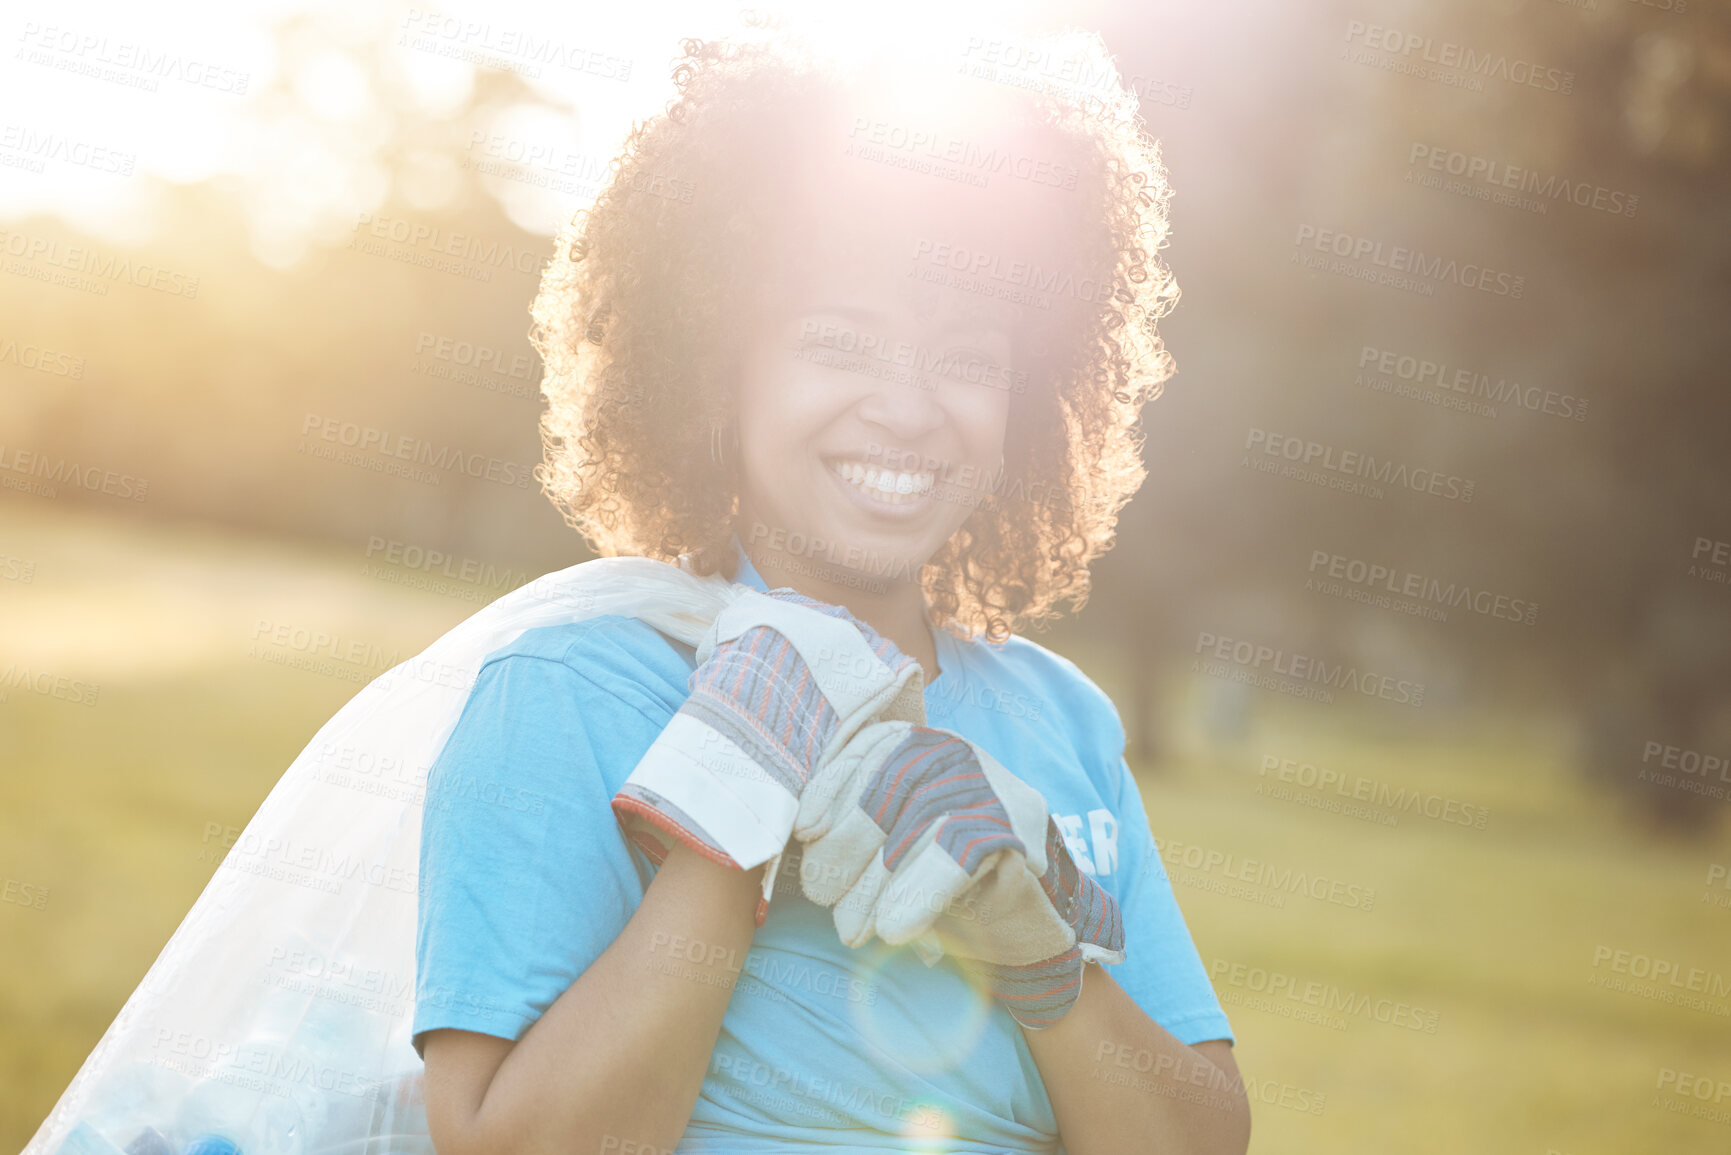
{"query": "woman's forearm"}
pixel 619 1058
pixel 1120 1083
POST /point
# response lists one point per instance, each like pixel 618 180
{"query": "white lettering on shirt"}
pixel 1070 826
pixel 1103 828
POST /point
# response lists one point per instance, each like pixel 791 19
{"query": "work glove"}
pixel 782 683
pixel 917 835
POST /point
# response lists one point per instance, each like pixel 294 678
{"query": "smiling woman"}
pixel 748 853
pixel 889 360
pixel 1001 234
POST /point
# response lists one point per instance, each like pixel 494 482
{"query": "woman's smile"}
pixel 883 492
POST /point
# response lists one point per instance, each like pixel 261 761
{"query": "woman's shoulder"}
pixel 554 722
pixel 1043 684
pixel 619 655
pixel 1022 659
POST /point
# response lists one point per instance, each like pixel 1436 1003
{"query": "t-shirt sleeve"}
pixel 524 876
pixel 1161 970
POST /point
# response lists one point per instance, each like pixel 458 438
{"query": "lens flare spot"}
pixel 928 1129
pixel 922 1039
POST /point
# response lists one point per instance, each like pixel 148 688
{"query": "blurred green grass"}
pixel 107 807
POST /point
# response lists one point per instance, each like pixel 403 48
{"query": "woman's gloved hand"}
pixel 914 833
pixel 782 682
pixel 1040 993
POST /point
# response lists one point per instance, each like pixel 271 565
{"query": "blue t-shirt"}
pixel 526 879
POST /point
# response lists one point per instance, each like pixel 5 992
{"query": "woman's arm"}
pixel 622 1053
pixel 1120 1083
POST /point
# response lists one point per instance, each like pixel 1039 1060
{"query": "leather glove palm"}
pixel 917 835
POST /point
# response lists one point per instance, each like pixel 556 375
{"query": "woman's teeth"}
pixel 890 486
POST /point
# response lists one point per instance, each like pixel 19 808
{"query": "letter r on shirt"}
pixel 1103 829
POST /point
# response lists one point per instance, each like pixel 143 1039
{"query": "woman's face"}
pixel 871 412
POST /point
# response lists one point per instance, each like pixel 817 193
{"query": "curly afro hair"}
pixel 645 311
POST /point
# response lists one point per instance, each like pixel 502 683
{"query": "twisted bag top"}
pixel 278 1015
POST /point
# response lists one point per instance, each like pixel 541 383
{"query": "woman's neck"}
pixel 898 612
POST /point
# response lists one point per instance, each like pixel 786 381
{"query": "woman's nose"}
pixel 904 409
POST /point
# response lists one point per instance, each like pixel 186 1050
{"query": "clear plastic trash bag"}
pixel 276 1020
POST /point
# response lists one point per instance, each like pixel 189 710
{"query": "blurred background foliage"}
pixel 1268 127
